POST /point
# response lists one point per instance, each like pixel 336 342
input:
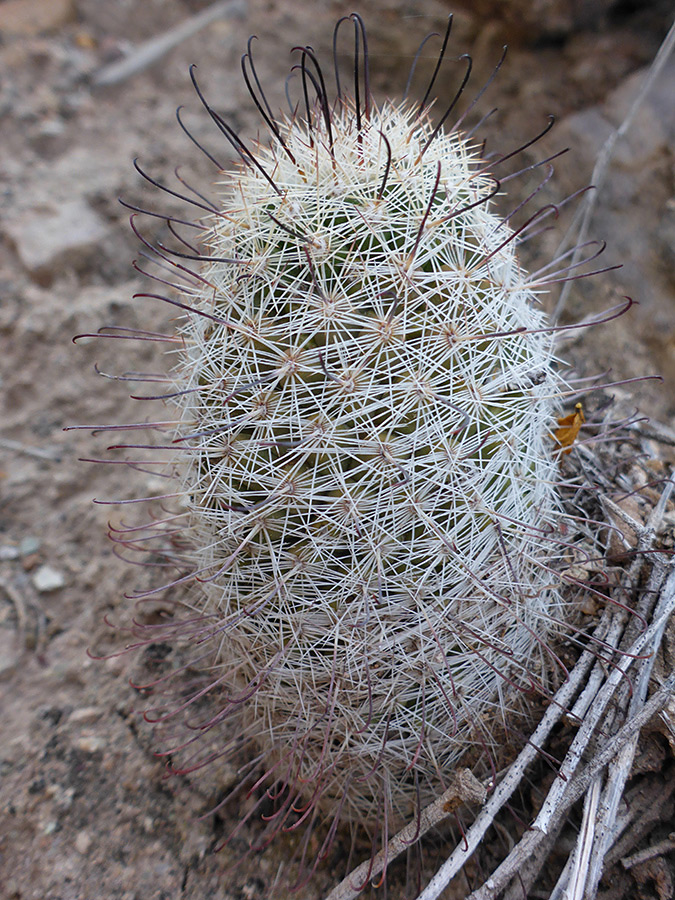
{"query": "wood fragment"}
pixel 578 230
pixel 464 789
pixel 149 52
pixel 665 846
pixel 584 848
pixel 642 809
pixel 513 777
pixel 528 844
pixel 36 452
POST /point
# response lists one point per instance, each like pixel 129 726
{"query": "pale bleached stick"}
pixel 575 789
pixel 598 673
pixel 582 856
pixel 620 767
pixel 513 777
pixel 595 713
pixel 595 839
pixel 558 892
pixel 150 51
pixel 585 210
pixel 466 788
pixel 666 846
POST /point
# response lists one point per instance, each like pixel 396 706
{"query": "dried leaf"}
pixel 569 427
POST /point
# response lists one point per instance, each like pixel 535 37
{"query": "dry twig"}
pixel 150 51
pixel 666 846
pixel 53 455
pixel 581 875
pixel 465 789
pixel 582 219
pixel 528 844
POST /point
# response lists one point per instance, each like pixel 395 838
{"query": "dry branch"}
pixel 151 51
pixel 602 689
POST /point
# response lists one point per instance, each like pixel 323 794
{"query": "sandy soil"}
pixel 87 811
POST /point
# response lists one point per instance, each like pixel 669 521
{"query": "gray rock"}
pixel 50 138
pixel 47 579
pixel 9 552
pixel 50 239
pixel 634 210
pixel 29 545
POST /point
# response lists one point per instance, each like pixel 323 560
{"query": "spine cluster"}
pixel 365 389
pixel 365 419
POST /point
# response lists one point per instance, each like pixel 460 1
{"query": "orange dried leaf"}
pixel 569 427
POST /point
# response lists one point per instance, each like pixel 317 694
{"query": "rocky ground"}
pixel 87 813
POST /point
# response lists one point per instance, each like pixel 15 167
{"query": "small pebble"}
pixel 29 545
pixel 90 744
pixel 7 552
pixel 50 239
pixel 47 579
pixel 82 842
pixel 85 715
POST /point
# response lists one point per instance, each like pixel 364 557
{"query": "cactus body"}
pixel 365 391
pixel 367 453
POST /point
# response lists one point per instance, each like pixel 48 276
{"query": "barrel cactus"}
pixel 365 390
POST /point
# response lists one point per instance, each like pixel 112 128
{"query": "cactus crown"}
pixel 365 387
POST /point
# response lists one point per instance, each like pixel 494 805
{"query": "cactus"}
pixel 366 388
